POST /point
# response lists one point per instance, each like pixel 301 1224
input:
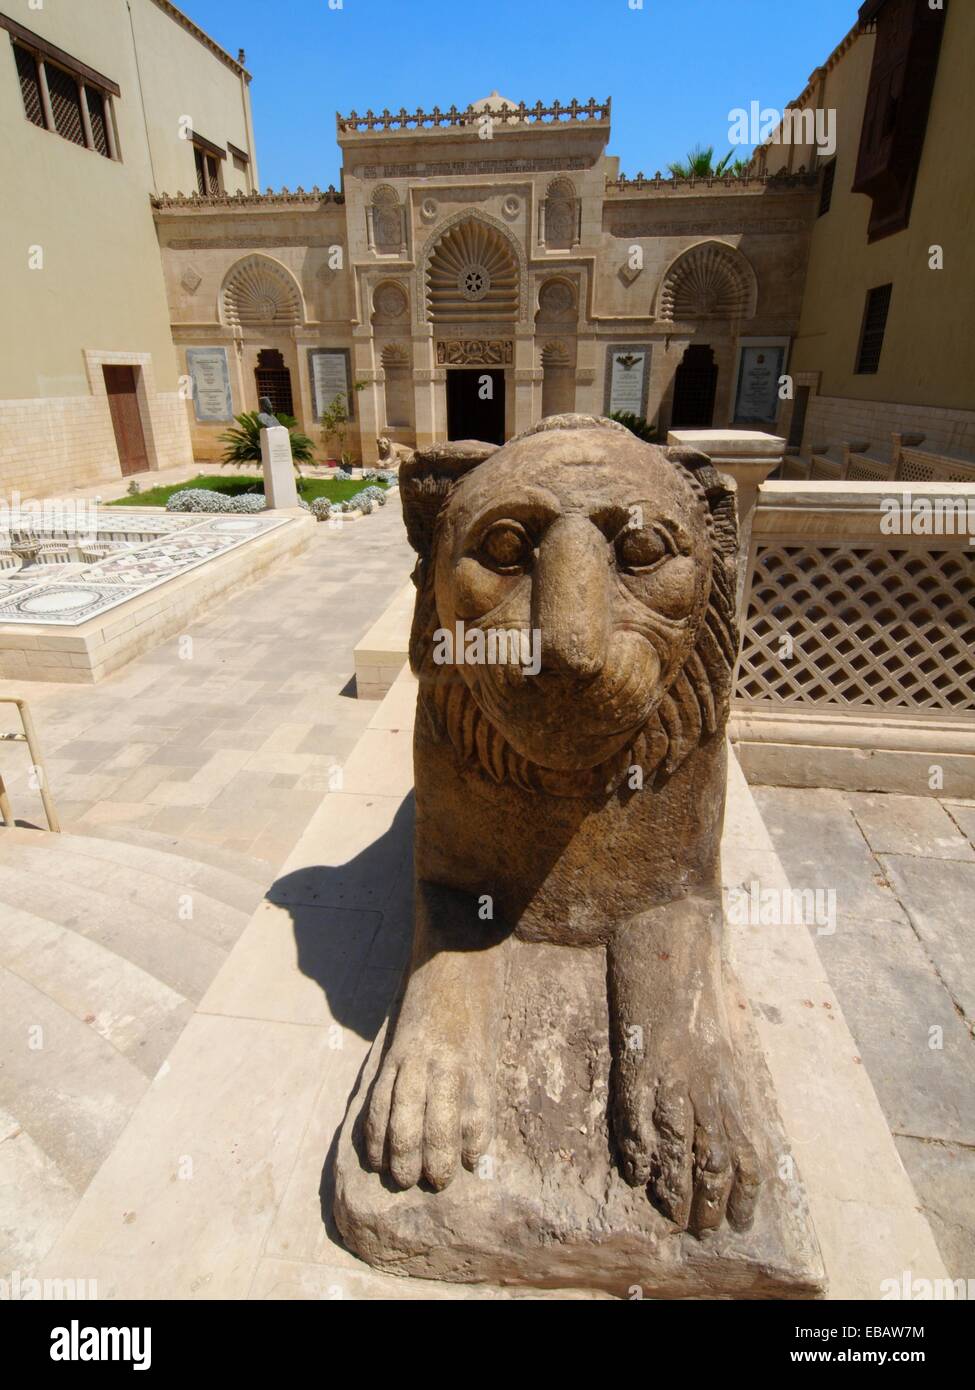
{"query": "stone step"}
pixel 36 1199
pixel 245 866
pixel 62 1082
pixel 178 866
pixel 172 951
pixel 139 1015
pixel 137 884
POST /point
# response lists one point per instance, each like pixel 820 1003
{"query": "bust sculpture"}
pixel 574 639
pixel 267 418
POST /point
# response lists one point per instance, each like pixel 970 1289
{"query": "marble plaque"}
pixel 330 377
pixel 210 374
pixel 757 397
pixel 627 378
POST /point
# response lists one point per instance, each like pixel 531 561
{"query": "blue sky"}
pixel 674 68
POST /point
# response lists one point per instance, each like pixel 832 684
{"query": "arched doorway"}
pixel 695 387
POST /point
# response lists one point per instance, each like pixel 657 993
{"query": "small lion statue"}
pixel 392 455
pixel 578 780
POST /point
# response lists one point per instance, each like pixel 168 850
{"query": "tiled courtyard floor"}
pixel 203 763
pixel 229 734
pixel 902 964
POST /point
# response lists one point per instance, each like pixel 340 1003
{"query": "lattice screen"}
pixel 66 104
pixel 862 471
pixel 869 627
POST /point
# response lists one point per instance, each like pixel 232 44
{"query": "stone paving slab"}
pixel 161 745
pixel 939 898
pixel 255 1092
pixel 905 981
pixel 915 825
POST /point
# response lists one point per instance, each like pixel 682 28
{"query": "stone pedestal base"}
pixel 280 488
pixel 550 1210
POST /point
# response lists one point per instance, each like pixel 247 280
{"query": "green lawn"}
pixel 233 485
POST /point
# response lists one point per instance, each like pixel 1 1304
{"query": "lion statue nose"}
pixel 571 598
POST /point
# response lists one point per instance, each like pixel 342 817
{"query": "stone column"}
pixel 424 387
pixel 366 404
pixel 527 380
pixel 748 456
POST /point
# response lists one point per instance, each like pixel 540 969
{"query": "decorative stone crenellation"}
pixel 572 113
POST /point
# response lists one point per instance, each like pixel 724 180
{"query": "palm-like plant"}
pixel 243 445
pixel 700 164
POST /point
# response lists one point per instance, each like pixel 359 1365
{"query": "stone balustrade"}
pixel 857 659
pixel 559 113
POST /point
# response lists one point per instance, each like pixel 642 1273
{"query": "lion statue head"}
pixel 610 563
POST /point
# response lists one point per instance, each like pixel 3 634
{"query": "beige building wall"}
pixel 926 379
pixel 97 295
pixel 574 301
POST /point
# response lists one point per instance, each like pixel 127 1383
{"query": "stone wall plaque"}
pixel 627 378
pixel 330 370
pixel 210 373
pixel 757 393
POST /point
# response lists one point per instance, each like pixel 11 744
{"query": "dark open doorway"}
pixel 695 387
pixel 475 404
pixel 123 402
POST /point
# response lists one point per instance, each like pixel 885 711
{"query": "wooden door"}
pixel 123 402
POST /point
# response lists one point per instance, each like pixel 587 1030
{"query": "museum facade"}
pixel 481 269
pixel 477 269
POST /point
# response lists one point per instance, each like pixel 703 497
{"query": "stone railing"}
pixel 235 200
pixel 899 458
pixel 559 113
pixel 665 183
pixel 857 660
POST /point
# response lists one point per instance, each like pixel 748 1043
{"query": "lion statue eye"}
pixel 506 547
pixel 639 551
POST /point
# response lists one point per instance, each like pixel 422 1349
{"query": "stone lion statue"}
pixel 580 791
pixel 392 455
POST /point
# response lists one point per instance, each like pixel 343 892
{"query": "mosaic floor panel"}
pixel 149 550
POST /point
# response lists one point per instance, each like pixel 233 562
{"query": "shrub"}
pixel 249 503
pixel 636 425
pixel 244 444
pixel 197 499
pixel 322 508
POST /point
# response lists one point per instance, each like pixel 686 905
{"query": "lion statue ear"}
pixel 721 493
pixel 425 482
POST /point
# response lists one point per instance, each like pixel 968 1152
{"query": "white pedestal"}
pixel 280 487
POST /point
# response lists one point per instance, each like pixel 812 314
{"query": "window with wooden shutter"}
pixel 874 328
pixel 898 103
pixel 30 85
pixel 98 119
pixel 66 104
pixel 61 94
